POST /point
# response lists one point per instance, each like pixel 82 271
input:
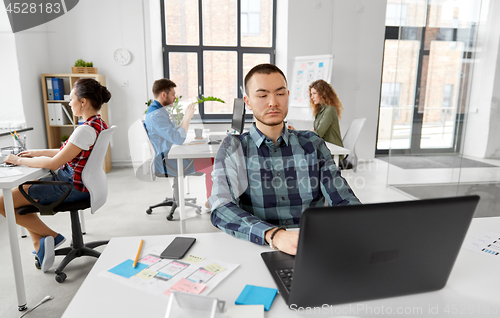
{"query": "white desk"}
pixel 192 149
pixel 474 283
pixel 7 184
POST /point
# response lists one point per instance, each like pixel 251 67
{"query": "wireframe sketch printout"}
pixel 484 242
pixel 193 273
pixel 307 69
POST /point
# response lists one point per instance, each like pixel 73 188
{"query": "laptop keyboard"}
pixel 286 276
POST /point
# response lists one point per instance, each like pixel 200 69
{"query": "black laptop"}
pixel 361 252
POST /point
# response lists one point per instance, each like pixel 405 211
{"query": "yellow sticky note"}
pixel 146 274
pixel 193 259
pixel 214 268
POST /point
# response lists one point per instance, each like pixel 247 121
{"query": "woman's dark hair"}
pixel 265 68
pixel 93 91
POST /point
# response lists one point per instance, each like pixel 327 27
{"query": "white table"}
pixel 192 149
pixel 7 183
pixel 474 283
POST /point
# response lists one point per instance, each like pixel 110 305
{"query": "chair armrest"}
pixel 49 208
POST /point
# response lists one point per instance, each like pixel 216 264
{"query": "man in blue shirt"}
pixel 163 133
pixel 265 178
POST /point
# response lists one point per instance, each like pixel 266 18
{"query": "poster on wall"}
pixel 307 69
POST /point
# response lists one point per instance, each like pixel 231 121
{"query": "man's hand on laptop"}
pixel 285 241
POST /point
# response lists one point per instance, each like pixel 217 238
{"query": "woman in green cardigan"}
pixel 327 110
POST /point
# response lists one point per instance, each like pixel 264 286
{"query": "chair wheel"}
pixel 170 217
pixel 198 211
pixel 149 211
pixel 37 264
pixel 61 277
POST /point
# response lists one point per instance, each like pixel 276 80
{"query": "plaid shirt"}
pixel 259 185
pixel 78 163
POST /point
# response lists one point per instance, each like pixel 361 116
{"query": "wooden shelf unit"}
pixel 54 132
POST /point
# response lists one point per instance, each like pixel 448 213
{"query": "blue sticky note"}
pixel 255 295
pixel 321 64
pixel 126 269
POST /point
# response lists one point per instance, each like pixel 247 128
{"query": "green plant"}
pixel 82 63
pixel 147 105
pixel 64 138
pixel 176 111
pixel 209 99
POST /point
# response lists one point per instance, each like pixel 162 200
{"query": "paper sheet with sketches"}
pixel 484 242
pixel 194 273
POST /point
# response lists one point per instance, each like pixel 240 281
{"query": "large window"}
pixel 210 45
pixel 428 52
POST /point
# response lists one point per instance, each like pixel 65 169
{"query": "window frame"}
pixel 199 49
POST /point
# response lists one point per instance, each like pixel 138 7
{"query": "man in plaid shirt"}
pixel 265 178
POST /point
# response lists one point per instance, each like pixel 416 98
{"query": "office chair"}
pixel 349 141
pixel 94 179
pixel 143 154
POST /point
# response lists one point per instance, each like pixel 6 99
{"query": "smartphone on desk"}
pixel 178 248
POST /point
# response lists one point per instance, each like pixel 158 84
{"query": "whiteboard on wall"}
pixel 307 69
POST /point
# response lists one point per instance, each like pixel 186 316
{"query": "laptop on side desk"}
pixel 362 252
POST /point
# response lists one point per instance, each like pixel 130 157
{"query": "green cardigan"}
pixel 326 125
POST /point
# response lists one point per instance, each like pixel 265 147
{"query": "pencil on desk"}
pixel 138 254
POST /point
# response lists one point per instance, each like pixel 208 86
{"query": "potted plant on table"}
pixel 82 67
pixel 176 111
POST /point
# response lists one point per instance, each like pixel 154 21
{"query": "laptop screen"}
pixel 238 121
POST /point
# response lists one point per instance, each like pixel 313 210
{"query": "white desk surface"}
pixel 193 148
pixel 6 184
pixel 473 286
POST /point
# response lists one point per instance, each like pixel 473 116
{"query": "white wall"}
pixel 358 46
pixel 92 31
pixel 353 32
pixel 33 58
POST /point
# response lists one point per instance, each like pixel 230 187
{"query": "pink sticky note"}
pixel 148 259
pixel 303 65
pixel 186 286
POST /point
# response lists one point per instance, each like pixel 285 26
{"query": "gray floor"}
pixel 488 206
pixel 124 215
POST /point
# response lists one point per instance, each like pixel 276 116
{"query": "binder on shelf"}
pixel 60 115
pixel 52 114
pixel 50 91
pixel 58 87
pixel 68 115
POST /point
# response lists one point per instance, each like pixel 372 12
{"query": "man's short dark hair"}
pixel 162 85
pixel 262 69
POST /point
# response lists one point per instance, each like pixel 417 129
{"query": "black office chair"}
pixel 94 179
pixel 173 202
pixel 142 154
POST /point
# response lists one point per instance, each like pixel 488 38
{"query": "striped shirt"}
pixel 259 185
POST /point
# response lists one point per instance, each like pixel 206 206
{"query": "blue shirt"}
pixel 259 185
pixel 163 134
